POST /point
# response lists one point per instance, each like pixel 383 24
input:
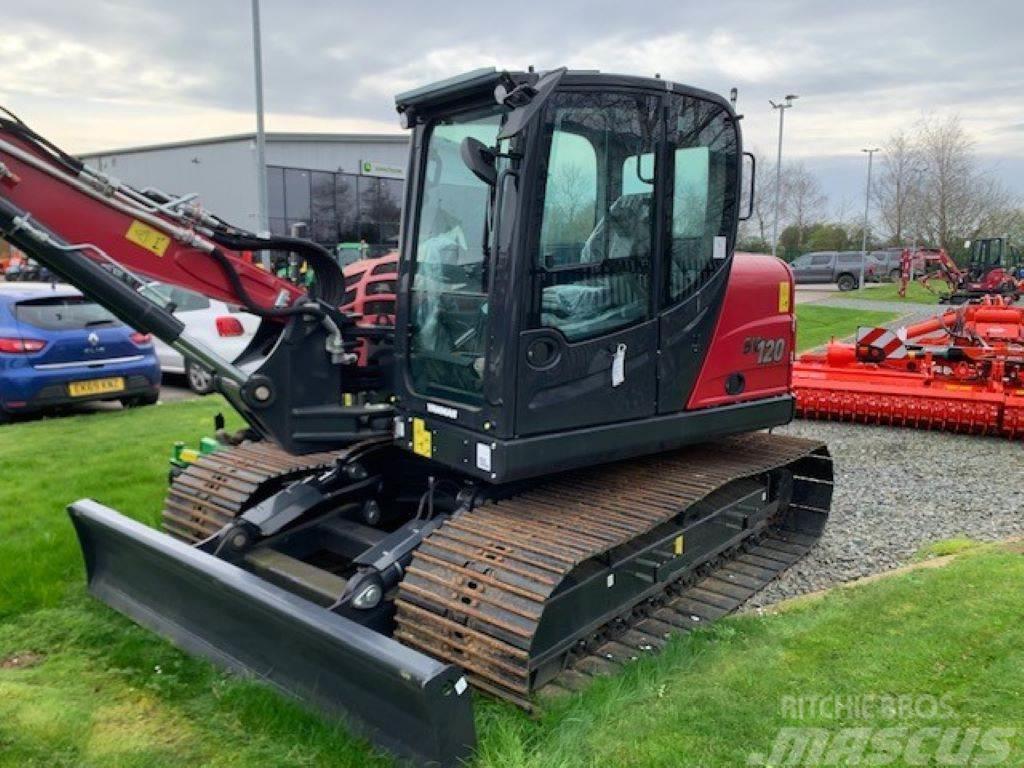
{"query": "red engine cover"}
pixel 751 354
pixel 370 292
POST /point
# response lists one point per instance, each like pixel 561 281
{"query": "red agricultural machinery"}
pixel 960 371
pixel 370 297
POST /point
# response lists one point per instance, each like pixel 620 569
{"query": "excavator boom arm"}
pixel 157 240
pixel 101 235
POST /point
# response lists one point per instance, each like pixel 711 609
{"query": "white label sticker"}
pixel 461 685
pixel 719 249
pixel 483 457
pixel 619 365
pixel 399 428
pixel 442 410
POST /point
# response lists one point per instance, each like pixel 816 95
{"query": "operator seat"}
pixel 619 251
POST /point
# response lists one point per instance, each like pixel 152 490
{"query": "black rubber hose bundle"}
pixel 18 127
pixel 330 282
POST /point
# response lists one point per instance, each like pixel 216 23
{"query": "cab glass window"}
pixel 705 161
pixel 570 203
pixel 594 253
pixel 450 283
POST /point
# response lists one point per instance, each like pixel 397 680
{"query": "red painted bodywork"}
pixel 79 218
pixel 370 293
pixel 370 289
pixel 751 311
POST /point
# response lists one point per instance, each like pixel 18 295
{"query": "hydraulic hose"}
pixel 305 308
pixel 18 127
pixel 330 283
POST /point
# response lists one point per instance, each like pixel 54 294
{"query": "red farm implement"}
pixel 961 371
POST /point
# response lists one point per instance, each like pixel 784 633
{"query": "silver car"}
pixel 221 327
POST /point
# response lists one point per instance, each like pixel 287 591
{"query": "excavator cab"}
pixel 565 258
pixel 987 253
pixel 992 269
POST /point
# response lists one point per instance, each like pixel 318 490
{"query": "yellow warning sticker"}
pixel 680 545
pixel 784 296
pixel 421 439
pixel 145 236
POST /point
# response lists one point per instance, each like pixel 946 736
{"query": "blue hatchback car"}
pixel 58 348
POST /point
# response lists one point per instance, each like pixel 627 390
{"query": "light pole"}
pixel 778 166
pixel 263 222
pixel 867 205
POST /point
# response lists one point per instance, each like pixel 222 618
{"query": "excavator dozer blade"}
pixel 399 698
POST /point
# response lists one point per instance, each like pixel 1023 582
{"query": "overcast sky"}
pixel 99 74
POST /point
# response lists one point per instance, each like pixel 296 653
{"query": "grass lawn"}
pixel 916 293
pixel 81 686
pixel 816 325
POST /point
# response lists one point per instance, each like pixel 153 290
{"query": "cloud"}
pixel 141 71
pixel 683 55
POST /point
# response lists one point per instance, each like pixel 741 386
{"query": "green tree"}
pixel 826 236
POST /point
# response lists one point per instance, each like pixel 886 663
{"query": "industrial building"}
pixel 343 187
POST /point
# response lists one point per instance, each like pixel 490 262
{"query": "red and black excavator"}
pixel 993 270
pixel 553 458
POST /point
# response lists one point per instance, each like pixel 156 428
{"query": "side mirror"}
pixel 753 180
pixel 480 159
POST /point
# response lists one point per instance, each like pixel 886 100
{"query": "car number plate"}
pixel 95 386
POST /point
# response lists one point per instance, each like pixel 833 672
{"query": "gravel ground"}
pixel 899 489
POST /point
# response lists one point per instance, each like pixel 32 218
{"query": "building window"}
pixel 346 208
pixel 296 195
pixel 275 201
pixel 323 219
pixel 336 207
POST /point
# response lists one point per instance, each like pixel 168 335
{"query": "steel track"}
pixel 713 592
pixel 220 486
pixel 476 590
pixel 507 558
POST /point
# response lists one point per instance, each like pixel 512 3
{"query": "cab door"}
pixel 588 351
pixel 702 186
